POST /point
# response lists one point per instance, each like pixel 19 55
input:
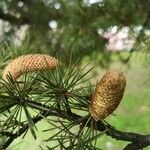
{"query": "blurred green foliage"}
pixel 64 26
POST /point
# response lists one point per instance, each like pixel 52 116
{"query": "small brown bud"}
pixel 107 95
pixel 29 63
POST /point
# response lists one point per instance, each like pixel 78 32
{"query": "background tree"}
pixel 63 26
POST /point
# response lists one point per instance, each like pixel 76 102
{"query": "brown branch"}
pixel 5 133
pixel 138 141
pixel 25 127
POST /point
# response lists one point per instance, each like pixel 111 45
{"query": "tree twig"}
pixel 137 141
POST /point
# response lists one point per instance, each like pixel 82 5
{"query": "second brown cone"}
pixel 107 95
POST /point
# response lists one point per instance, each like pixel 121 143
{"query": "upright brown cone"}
pixel 29 63
pixel 107 95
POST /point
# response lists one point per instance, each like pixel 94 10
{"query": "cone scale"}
pixel 29 63
pixel 107 95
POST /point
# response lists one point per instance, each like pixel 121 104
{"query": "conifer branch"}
pixel 137 141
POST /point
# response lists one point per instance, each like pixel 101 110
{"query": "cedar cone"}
pixel 107 95
pixel 29 63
